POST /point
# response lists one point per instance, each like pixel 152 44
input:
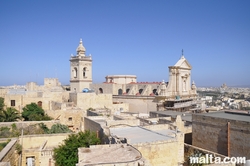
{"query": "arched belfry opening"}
pixel 84 72
pixel 75 72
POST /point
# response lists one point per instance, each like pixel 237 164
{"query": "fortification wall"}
pixel 212 134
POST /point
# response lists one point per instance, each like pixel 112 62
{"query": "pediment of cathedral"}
pixel 183 63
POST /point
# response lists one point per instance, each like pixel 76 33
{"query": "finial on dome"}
pixel 80 40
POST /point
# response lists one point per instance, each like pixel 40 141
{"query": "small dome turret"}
pixel 80 49
pixel 193 87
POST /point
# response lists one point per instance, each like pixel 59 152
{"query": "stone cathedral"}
pixel 178 87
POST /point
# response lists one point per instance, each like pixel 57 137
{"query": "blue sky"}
pixel 139 37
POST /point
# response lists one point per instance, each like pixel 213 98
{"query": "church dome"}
pixel 80 49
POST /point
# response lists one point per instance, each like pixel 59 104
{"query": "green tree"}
pixel 59 128
pixel 44 127
pixel 32 112
pixel 67 153
pixel 9 115
pixel 1 103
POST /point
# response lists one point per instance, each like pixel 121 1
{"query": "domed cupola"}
pixel 80 49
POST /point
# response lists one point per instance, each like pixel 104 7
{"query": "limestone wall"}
pixel 36 141
pixel 73 118
pixel 157 127
pixel 21 100
pixel 163 153
pixel 128 89
pixel 93 126
pixel 189 150
pixel 116 108
pixel 106 88
pixel 131 122
pixel 3 92
pixel 141 104
pixel 36 145
pixel 8 154
pixel 211 133
pixel 87 100
pixel 24 124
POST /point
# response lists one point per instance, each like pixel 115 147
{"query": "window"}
pixel 120 92
pixel 100 90
pixel 84 72
pixel 70 119
pixel 40 104
pixel 155 91
pixel 12 103
pixel 30 161
pixel 127 90
pixel 75 72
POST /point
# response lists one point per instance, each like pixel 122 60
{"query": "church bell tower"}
pixel 80 69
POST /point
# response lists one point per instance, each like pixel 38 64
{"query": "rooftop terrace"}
pixel 138 134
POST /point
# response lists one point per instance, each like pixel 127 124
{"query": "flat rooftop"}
pixel 102 122
pixel 184 116
pixel 104 154
pixel 228 115
pixel 138 134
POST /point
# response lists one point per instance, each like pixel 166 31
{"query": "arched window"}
pixel 75 72
pixel 127 90
pixel 84 72
pixel 140 91
pixel 120 92
pixel 155 92
pixel 40 104
pixel 184 85
pixel 100 90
